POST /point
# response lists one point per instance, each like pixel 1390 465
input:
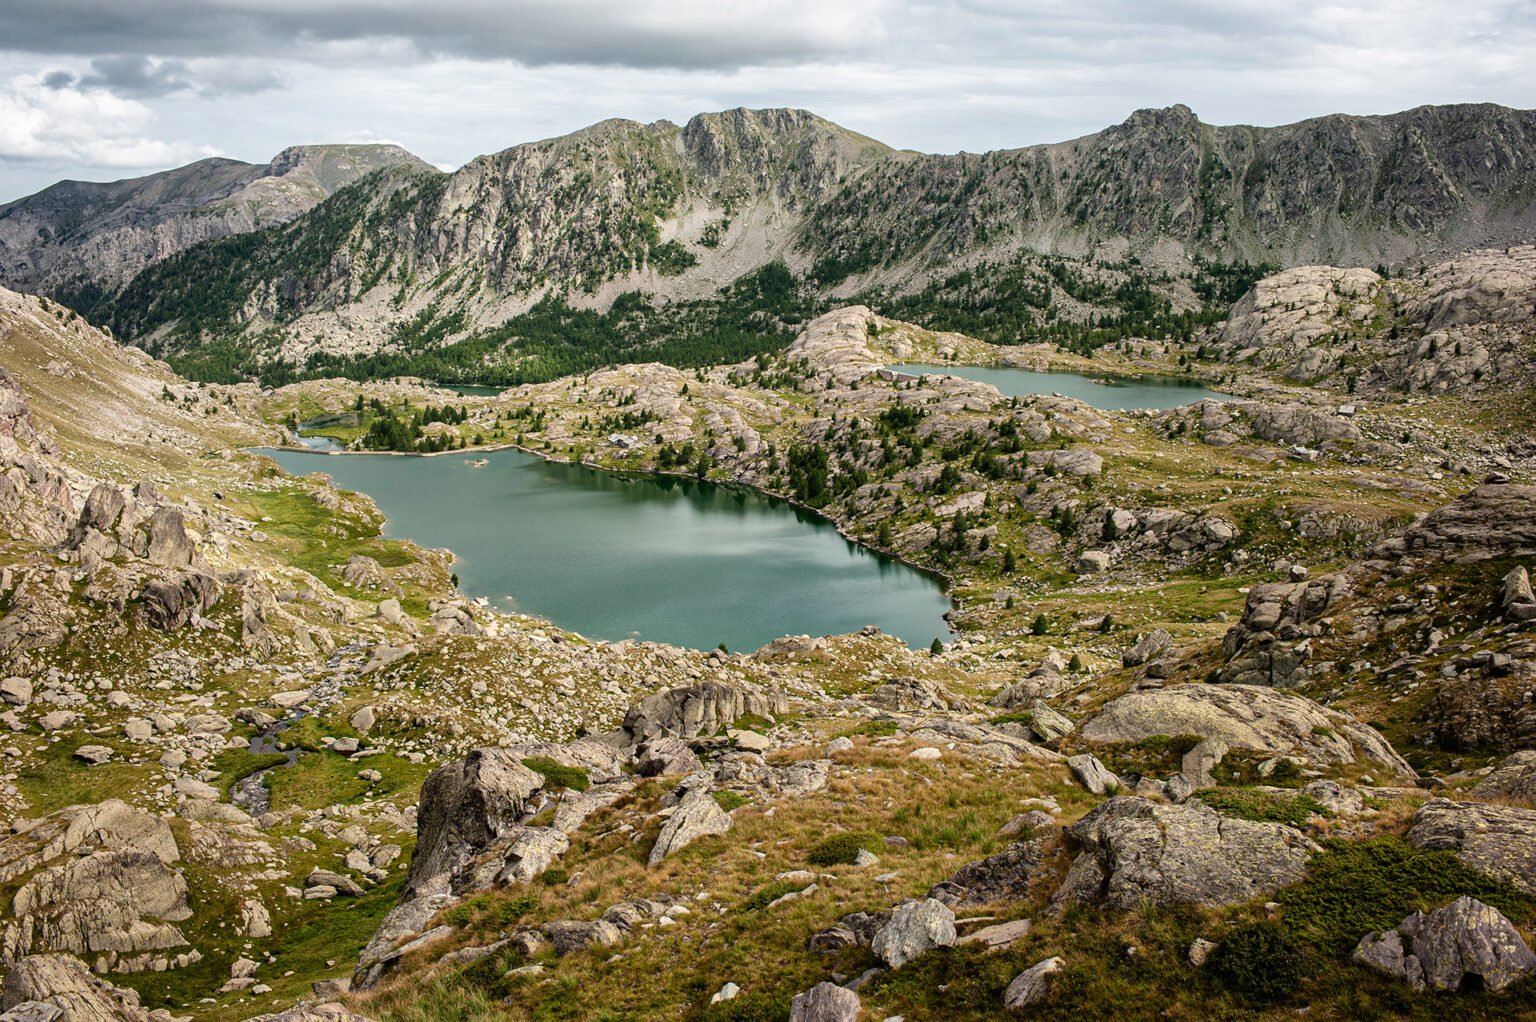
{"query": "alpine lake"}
pixel 667 559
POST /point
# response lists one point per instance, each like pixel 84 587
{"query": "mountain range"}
pixel 333 256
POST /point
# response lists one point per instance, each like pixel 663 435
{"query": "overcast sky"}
pixel 106 89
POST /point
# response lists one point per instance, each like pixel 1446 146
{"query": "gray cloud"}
pixel 639 33
pixel 137 76
pixel 455 78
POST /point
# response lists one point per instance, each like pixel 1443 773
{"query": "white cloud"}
pixel 453 79
pixel 65 124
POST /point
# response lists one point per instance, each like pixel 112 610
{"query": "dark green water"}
pixel 616 557
pixel 470 389
pixel 1123 394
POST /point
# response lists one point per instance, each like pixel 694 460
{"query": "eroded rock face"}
pixel 703 709
pixel 168 605
pixel 465 806
pixel 1454 326
pixel 67 984
pixel 1245 717
pixel 101 886
pixel 1005 876
pixel 1461 946
pixel 1514 778
pixel 117 902
pixel 1492 520
pixel 1483 707
pixel 697 815
pixel 1499 841
pixel 1271 644
pixel 1133 852
pixel 468 810
pixel 825 1002
pixel 914 927
pixel 1268 645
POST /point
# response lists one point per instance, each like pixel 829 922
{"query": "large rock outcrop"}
pixel 475 807
pixel 1132 852
pixel 703 709
pixel 1272 643
pixel 1465 945
pixel 115 906
pixel 66 984
pixel 697 815
pixel 1491 520
pixel 465 806
pixel 1513 778
pixel 1244 717
pixel 96 881
pixel 1499 841
pixel 1452 327
pixel 914 928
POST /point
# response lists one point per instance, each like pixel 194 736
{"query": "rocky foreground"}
pixel 1237 719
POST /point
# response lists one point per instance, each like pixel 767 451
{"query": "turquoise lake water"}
pixel 1100 392
pixel 614 557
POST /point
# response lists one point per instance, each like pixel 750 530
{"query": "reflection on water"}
pixel 1100 392
pixel 670 559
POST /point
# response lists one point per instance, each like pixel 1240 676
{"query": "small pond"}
pixel 1101 392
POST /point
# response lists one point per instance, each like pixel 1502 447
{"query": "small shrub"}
pixel 492 909
pixel 748 1008
pixel 841 849
pixel 765 896
pixel 1265 806
pixel 729 800
pixel 554 877
pixel 558 775
pixel 1285 771
pixel 1260 961
pixel 1355 887
pixel 876 729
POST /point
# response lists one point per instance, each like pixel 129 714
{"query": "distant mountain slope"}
pixel 79 233
pixel 1136 226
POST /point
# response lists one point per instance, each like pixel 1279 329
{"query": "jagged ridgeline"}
pixel 712 242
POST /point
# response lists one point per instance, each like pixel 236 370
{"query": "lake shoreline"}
pixel 945 580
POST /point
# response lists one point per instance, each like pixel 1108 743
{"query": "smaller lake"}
pixel 659 558
pixel 469 389
pixel 1123 394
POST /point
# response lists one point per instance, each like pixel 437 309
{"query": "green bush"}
pixel 729 800
pixel 874 729
pixel 748 1008
pixel 841 849
pixel 765 896
pixel 1284 772
pixel 493 909
pixel 1171 745
pixel 1266 806
pixel 1355 887
pixel 1261 961
pixel 558 775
